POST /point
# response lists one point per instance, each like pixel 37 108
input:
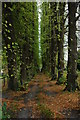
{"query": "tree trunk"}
pixel 53 42
pixel 72 48
pixel 9 40
pixel 61 41
pixel 24 63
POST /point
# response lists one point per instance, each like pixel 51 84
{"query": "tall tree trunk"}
pixel 24 62
pixel 61 41
pixel 53 42
pixel 12 83
pixel 72 48
pixel 9 40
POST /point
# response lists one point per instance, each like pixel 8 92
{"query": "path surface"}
pixel 35 90
pixel 46 92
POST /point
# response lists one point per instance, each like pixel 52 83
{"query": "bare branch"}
pixel 65 46
pixel 77 17
pixel 66 17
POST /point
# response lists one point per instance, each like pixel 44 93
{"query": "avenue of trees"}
pixel 21 45
pixel 54 17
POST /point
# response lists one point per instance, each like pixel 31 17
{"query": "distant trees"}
pixel 55 20
pixel 45 37
pixel 55 38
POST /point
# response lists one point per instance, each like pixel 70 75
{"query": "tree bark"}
pixel 53 42
pixel 72 48
pixel 11 58
pixel 61 41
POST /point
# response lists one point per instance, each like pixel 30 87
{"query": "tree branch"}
pixel 66 17
pixel 77 17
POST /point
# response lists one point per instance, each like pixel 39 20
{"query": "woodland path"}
pixel 46 99
pixel 31 99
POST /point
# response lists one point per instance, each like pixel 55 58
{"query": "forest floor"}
pixel 43 99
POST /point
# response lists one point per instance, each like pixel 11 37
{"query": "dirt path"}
pixel 27 112
pixel 45 94
pixel 45 99
pixel 35 90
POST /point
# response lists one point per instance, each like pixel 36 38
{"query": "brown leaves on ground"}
pixel 14 101
pixel 56 100
pixel 61 101
pixel 35 111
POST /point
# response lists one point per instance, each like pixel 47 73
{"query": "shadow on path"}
pixel 27 112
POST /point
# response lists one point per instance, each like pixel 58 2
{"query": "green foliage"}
pixel 5 114
pixel 78 79
pixel 45 112
pixel 20 42
pixel 62 80
pixel 21 58
pixel 45 36
pixel 23 87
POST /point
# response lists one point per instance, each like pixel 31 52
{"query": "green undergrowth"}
pixel 45 112
pixel 63 79
pixel 78 79
pixel 23 87
pixel 5 113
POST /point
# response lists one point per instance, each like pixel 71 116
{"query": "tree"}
pixel 9 40
pixel 53 51
pixel 72 48
pixel 45 37
pixel 78 61
pixel 60 41
pixel 20 42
